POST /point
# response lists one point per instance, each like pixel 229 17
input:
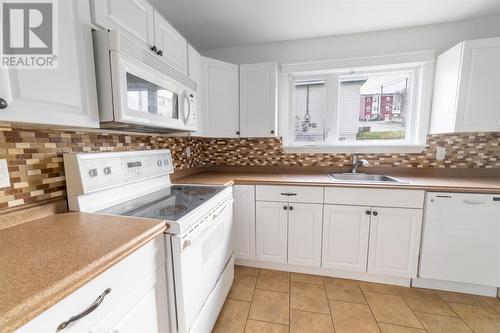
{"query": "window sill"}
pixel 354 149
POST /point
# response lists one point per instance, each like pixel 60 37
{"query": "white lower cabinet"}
pixel 244 221
pixel 304 234
pixel 132 297
pixel 394 241
pixel 345 237
pixel 271 231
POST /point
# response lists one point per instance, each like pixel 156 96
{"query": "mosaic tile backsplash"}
pixel 37 172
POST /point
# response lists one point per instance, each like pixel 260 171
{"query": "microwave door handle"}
pixel 188 102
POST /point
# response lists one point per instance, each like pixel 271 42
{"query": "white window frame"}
pixel 421 64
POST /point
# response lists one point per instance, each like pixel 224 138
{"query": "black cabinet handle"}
pixel 272 131
pixel 3 103
pixel 160 53
pixel 285 207
pixel 375 213
pixel 291 208
pixel 288 194
pixel 368 212
pixel 237 132
pixel 154 48
pixel 85 312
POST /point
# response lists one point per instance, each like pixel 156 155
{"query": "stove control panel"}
pixel 97 171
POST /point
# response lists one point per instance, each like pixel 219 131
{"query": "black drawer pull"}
pixel 85 312
pixel 288 194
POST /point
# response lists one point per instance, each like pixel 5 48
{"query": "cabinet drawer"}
pixel 375 197
pixel 289 193
pixel 122 278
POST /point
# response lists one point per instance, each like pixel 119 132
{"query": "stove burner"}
pixel 170 210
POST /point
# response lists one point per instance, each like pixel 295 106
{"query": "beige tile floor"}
pixel 265 301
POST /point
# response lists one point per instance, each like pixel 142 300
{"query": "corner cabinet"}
pixel 133 295
pixel 219 81
pixel 170 44
pixel 466 87
pixel 244 221
pixel 258 100
pixel 43 96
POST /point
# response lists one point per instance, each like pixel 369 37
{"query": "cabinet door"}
pixel 244 221
pixel 172 45
pixel 145 310
pixel 394 241
pixel 304 234
pixel 220 98
pixel 271 231
pixel 133 17
pixel 258 100
pixel 478 104
pixel 45 96
pixel 345 237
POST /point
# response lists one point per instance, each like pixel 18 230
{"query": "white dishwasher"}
pixel 461 238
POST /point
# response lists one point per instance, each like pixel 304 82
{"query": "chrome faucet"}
pixel 357 162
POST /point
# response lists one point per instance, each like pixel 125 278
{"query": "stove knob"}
pixel 166 162
pixel 159 163
pixel 107 170
pixel 93 172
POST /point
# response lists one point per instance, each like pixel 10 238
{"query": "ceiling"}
pixel 209 24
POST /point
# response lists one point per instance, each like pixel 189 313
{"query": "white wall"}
pixel 430 37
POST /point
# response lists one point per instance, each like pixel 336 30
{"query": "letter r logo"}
pixel 27 28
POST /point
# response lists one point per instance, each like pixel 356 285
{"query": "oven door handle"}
pixel 205 225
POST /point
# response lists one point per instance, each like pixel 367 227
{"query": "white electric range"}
pixel 198 242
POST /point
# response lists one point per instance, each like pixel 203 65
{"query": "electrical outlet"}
pixel 440 153
pixel 4 174
pixel 188 151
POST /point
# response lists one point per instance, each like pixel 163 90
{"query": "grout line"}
pixel 404 326
pixel 370 308
pixel 414 315
pixel 251 302
pixel 458 316
pixel 328 302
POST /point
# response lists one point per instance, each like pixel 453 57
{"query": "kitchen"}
pixel 195 167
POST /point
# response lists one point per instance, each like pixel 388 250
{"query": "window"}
pixel 372 109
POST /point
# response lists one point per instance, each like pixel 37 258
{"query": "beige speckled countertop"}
pixel 453 183
pixel 45 260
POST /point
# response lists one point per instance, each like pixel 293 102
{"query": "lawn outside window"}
pixel 383 108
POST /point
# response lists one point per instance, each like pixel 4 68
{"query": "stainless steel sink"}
pixel 363 178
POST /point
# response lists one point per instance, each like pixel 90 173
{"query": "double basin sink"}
pixel 364 178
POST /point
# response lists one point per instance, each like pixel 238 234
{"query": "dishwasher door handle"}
pixel 474 202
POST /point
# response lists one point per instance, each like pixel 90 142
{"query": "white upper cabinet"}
pixel 65 95
pixel 345 237
pixel 394 241
pixel 134 17
pixel 137 18
pixel 170 44
pixel 219 81
pixel 194 66
pixel 466 88
pixel 304 234
pixel 258 100
pixel 244 221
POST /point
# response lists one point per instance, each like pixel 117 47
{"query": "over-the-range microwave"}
pixel 138 91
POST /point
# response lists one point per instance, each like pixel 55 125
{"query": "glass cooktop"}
pixel 171 203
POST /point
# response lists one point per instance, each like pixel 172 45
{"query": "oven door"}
pixel 199 260
pixel 144 96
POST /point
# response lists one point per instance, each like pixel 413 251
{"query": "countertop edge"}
pixel 55 293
